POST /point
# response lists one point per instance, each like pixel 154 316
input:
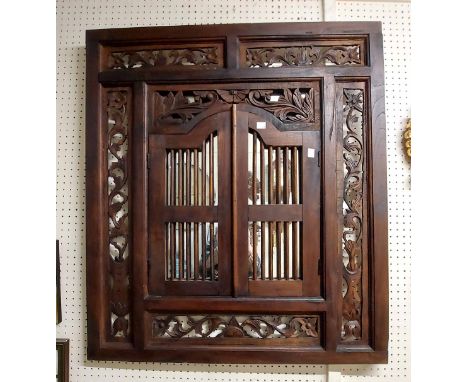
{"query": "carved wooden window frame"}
pixel 348 321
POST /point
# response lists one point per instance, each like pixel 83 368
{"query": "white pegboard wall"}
pixel 73 18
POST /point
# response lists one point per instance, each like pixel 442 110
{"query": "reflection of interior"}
pixel 192 180
pixel 274 178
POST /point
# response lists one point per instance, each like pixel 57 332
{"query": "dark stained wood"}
pixel 377 203
pixel 203 174
pixel 204 250
pixel 270 250
pixel 173 252
pixel 215 128
pixel 220 304
pixel 211 176
pixel 212 243
pixel 188 247
pixel 241 250
pixel 217 83
pixel 196 255
pixel 139 213
pixel 254 170
pixel 180 249
pixel 270 176
pixel 286 250
pixel 281 213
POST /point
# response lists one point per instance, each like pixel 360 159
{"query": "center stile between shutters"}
pixel 236 194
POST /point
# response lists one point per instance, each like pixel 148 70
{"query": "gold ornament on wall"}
pixel 407 139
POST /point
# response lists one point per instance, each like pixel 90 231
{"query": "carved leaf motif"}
pixel 233 329
pixel 178 108
pixel 117 146
pixel 289 107
pixel 235 326
pixel 352 219
pixel 308 326
pixel 303 56
pixel 164 57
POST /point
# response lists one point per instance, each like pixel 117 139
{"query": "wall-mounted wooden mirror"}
pixel 236 194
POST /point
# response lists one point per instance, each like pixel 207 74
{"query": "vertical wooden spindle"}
pixel 188 176
pixel 270 175
pixel 294 175
pixel 173 252
pixel 279 262
pixel 262 248
pixel 286 175
pixel 211 171
pixel 286 250
pixel 294 249
pixel 212 242
pixel 203 174
pixel 181 249
pixel 262 173
pixel 173 189
pixel 278 178
pixel 196 264
pixel 195 177
pixel 262 201
pixel 168 178
pixel 204 251
pixel 188 245
pixel 278 224
pixel 254 250
pixel 167 254
pixel 180 160
pixel 184 250
pixel 270 250
pixel 254 170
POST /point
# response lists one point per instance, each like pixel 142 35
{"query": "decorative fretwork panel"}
pixel 270 54
pixel 198 57
pixel 298 108
pixel 176 108
pixel 118 125
pixel 236 326
pixel 353 211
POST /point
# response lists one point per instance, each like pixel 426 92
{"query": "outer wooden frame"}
pixel 99 346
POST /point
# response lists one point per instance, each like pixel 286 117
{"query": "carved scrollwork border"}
pixel 353 214
pixel 118 124
pixel 271 57
pixel 295 107
pixel 196 57
pixel 230 326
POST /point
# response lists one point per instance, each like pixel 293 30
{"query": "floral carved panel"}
pixel 226 326
pixel 272 57
pixel 190 57
pixel 353 190
pixel 296 108
pixel 118 103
